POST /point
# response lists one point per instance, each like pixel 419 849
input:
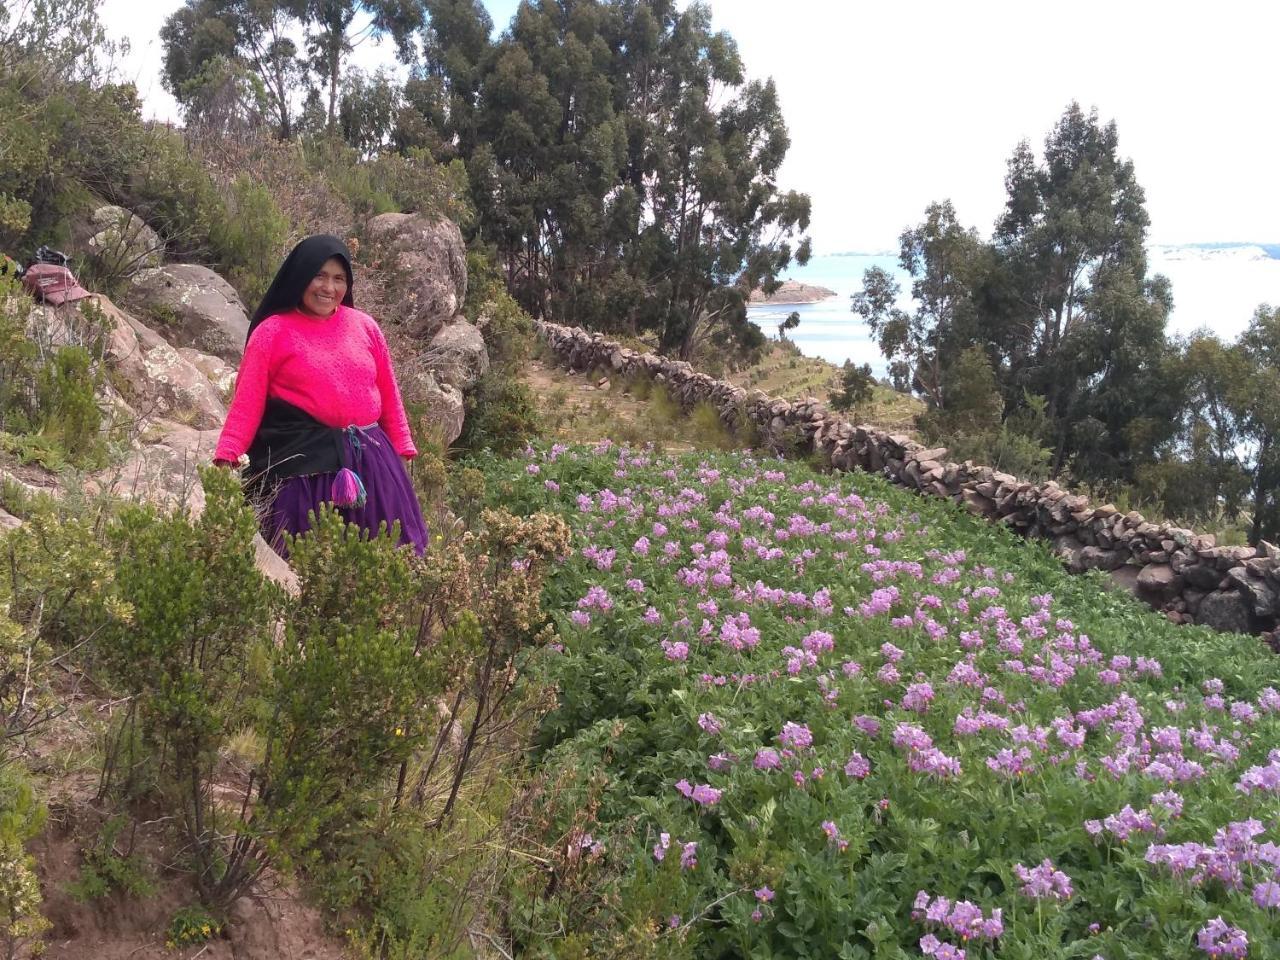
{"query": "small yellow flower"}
pixel 399 731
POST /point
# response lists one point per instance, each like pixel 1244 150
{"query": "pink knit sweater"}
pixel 338 369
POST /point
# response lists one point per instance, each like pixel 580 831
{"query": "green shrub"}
pixel 707 430
pixel 22 817
pixel 507 331
pixel 191 925
pixel 105 870
pixel 500 415
pixel 249 239
pixel 855 386
pixel 197 609
pixel 71 417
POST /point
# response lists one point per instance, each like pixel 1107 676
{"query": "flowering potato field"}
pixel 802 715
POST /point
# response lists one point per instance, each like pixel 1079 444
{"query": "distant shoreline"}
pixel 791 303
pixel 791 293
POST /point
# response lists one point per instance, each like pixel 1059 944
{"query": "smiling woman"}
pixel 317 407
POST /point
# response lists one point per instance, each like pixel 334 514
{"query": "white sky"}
pixel 895 104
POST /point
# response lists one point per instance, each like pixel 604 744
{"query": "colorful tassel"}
pixel 348 490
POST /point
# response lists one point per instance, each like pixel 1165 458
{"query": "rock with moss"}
pixel 457 355
pixel 191 306
pixel 116 242
pixel 156 380
pixel 429 260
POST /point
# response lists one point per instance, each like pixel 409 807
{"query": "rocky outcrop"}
pixel 155 380
pixel 162 467
pixel 792 291
pixel 443 403
pixel 117 241
pixel 430 259
pixel 457 356
pixel 191 306
pixel 1187 576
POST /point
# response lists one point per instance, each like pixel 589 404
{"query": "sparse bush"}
pixel 500 415
pixel 22 817
pixel 105 869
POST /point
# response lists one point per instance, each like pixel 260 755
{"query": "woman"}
pixel 316 405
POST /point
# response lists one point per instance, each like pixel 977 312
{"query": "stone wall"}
pixel 1185 575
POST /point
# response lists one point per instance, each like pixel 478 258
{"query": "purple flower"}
pixel 857 767
pixel 689 855
pixel 1043 881
pixel 675 651
pixel 918 697
pixel 720 761
pixel 660 848
pixel 767 758
pixel 709 723
pixel 795 735
pixel 1217 938
pixel 706 795
pixel 764 894
pixel 1267 894
pixel 868 725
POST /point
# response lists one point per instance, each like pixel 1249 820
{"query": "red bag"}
pixel 53 284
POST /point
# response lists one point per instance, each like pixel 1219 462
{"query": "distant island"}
pixel 793 291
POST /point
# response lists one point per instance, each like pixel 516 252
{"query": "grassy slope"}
pixel 629 722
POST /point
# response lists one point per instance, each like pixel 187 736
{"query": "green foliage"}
pixel 198 609
pixel 105 870
pixel 249 237
pixel 67 392
pixel 191 925
pixel 347 686
pixel 507 330
pixel 388 182
pixel 856 386
pixel 500 415
pixel 22 817
pixel 652 743
pixel 1058 300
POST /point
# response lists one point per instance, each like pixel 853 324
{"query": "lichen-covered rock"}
pixel 191 306
pixel 118 241
pixel 429 255
pixel 162 469
pixel 457 355
pixel 220 373
pixel 154 379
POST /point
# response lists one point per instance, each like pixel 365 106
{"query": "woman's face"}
pixel 326 290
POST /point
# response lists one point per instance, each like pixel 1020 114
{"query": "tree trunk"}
pixel 335 61
pixel 1260 485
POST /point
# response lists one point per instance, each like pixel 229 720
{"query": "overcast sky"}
pixel 893 105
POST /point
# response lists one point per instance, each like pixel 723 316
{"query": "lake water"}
pixel 1217 289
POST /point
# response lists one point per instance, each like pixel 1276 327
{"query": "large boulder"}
pixel 457 355
pixel 117 241
pixel 191 306
pixel 156 381
pixel 431 259
pixel 445 409
pixel 161 469
pixel 1225 610
pixel 220 373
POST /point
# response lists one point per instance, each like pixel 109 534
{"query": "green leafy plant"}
pixel 191 925
pixel 105 869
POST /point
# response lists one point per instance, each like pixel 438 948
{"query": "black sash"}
pixel 292 443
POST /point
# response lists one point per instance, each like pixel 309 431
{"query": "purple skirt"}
pixel 389 496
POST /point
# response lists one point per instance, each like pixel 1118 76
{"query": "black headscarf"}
pixel 298 270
